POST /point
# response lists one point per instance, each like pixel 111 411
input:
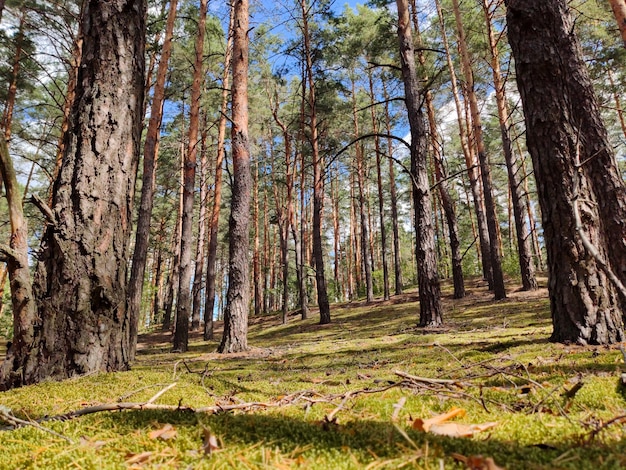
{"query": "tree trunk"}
pixel 483 234
pixel 428 278
pixel 360 179
pixel 619 10
pixel 379 187
pixel 524 250
pixel 235 334
pixel 80 281
pixel 395 229
pixel 150 154
pixel 9 106
pixel 441 179
pixel 576 173
pixel 183 304
pixel 318 179
pixel 196 290
pixel 217 192
pixel 16 258
pixel 483 159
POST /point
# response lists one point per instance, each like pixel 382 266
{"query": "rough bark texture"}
pixel 80 281
pixel 150 153
pixel 198 273
pixel 563 128
pixel 428 278
pixel 235 337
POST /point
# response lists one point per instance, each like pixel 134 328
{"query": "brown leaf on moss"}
pixel 477 462
pixel 140 458
pixel 425 424
pixel 165 433
pixel 209 442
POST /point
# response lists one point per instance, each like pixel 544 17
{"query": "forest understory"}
pixel 369 390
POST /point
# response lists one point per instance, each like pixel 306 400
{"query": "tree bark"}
pixel 235 334
pixel 211 271
pixel 80 280
pixel 524 250
pixel 198 274
pixel 150 154
pixel 472 171
pixel 619 10
pixel 576 172
pixel 499 290
pixel 16 259
pixel 318 179
pixel 428 278
pixel 397 256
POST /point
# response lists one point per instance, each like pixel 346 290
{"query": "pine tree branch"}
pixel 7 254
pixel 44 208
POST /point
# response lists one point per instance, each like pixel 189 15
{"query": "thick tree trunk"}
pixel 80 281
pixel 579 185
pixel 428 278
pixel 235 337
pixel 150 153
pixel 499 290
pixel 524 250
pixel 211 271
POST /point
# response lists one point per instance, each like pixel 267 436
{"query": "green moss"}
pixel 497 351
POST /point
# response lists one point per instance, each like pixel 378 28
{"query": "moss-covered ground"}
pixel 335 401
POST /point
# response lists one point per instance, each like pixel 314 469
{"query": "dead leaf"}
pixel 165 433
pixel 85 441
pixel 138 458
pixel 425 424
pixel 460 430
pixel 437 425
pixel 209 442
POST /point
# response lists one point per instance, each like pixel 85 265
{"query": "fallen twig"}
pixel 17 422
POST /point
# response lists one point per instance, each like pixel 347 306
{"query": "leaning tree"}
pixel 81 323
pixel 581 191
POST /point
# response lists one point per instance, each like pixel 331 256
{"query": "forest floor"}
pixel 370 390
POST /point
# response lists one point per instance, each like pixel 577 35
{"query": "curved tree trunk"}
pixel 579 186
pixel 235 337
pixel 80 281
pixel 428 278
pixel 16 258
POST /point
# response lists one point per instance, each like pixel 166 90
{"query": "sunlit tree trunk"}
pixel 150 154
pixel 318 178
pixel 619 10
pixel 526 263
pixel 428 278
pixel 393 202
pixel 211 265
pixel 196 290
pixel 235 337
pixel 580 188
pixel 483 160
pixel 80 280
pixel 183 304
